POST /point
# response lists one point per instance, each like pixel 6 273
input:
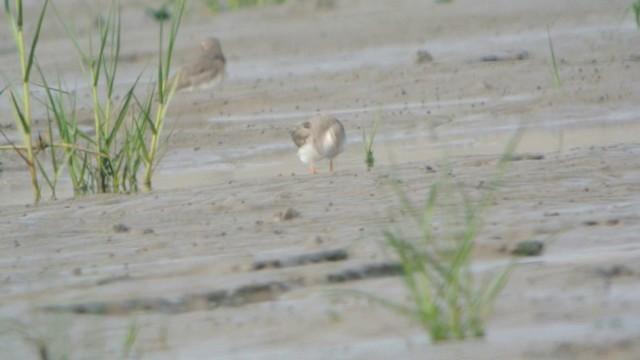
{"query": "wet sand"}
pixel 207 265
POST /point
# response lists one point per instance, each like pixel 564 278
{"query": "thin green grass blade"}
pixel 122 114
pixel 44 174
pixel 14 147
pixel 49 95
pixel 373 134
pixel 489 292
pixel 175 26
pixel 85 170
pixel 104 35
pixel 18 111
pixel 140 141
pixel 418 283
pixel 163 146
pixel 424 220
pixel 145 112
pixel 161 78
pixel 554 68
pixel 414 273
pixel 54 160
pixel 115 51
pixel 86 59
pixel 14 28
pixel 427 215
pixel 20 14
pixel 34 43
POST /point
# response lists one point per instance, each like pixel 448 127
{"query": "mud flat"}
pixel 206 266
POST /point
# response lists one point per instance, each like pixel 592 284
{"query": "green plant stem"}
pixel 164 97
pixel 23 117
pixel 26 135
pixel 159 120
pixel 153 147
pixel 157 124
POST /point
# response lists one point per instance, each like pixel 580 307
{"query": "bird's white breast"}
pixel 308 154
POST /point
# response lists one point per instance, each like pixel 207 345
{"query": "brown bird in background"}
pixel 206 71
pixel 322 137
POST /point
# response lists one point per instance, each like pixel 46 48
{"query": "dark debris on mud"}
pixel 243 295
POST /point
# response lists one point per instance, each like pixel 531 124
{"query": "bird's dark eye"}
pixel 307 125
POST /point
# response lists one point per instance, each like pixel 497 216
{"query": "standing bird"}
pixel 206 71
pixel 319 138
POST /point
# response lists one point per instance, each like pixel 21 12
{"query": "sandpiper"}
pixel 206 71
pixel 322 137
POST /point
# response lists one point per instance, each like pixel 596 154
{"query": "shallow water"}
pixel 463 137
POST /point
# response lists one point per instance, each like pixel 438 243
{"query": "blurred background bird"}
pixel 206 71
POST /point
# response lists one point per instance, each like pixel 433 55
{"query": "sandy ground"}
pixel 204 266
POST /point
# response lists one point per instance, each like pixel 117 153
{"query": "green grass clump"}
pixel 445 297
pixel 126 136
pixel 123 147
pixel 635 7
pixel 49 339
pixel 367 141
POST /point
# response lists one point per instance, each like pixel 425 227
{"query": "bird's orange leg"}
pixel 314 171
pixel 330 165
